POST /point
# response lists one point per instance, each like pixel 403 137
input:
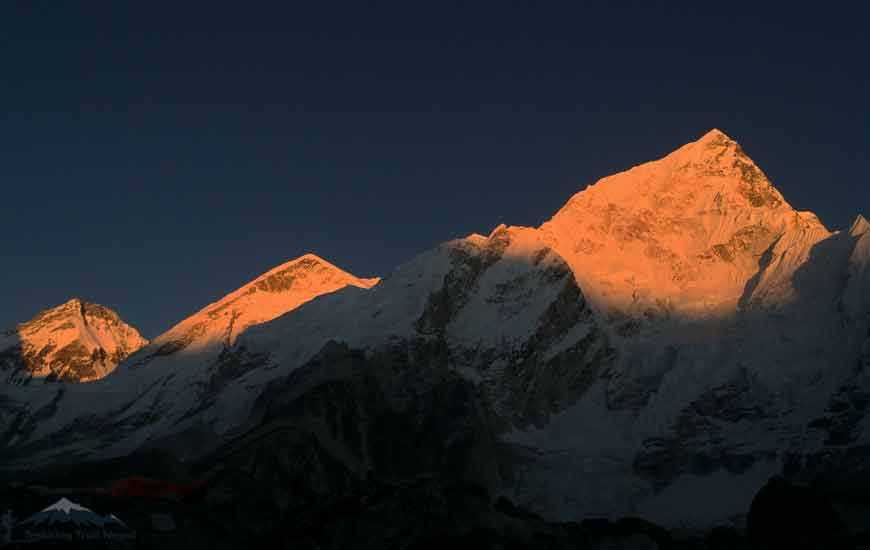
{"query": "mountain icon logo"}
pixel 66 520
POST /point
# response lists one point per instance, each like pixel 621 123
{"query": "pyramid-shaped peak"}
pixel 308 260
pixel 74 307
pixel 714 147
pixel 74 304
pixel 686 229
pixel 311 257
pixel 311 262
pixel 715 135
pixel 76 341
pixel 78 307
pixel 274 293
pixel 708 173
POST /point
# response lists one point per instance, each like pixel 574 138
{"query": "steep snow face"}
pixel 74 342
pixel 274 293
pixel 681 235
pixel 798 268
pixel 506 308
pixel 856 298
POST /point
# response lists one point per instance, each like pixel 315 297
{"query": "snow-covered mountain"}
pixel 676 330
pixel 74 342
pixel 679 236
pixel 216 326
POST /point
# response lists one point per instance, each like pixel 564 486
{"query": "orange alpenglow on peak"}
pixel 76 341
pixel 682 234
pixel 714 134
pixel 272 294
pixel 309 262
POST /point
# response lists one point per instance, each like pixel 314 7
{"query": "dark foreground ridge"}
pixel 253 504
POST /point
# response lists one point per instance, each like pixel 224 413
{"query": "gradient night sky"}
pixel 157 157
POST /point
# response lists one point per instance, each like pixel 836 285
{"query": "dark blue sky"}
pixel 154 157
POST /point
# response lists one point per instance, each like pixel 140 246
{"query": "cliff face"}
pixel 74 342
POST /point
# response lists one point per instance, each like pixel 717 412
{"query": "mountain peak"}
pixel 684 232
pixel 715 136
pixel 274 293
pixel 308 258
pixel 311 256
pixel 74 306
pixel 308 266
pixel 714 168
pixel 717 156
pixel 76 341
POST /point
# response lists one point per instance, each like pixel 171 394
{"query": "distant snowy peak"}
pixel 74 342
pixel 276 292
pixel 680 235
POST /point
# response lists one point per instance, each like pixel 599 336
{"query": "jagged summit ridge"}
pixel 682 234
pixel 76 341
pixel 283 276
pixel 714 133
pixel 715 161
pixel 274 293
